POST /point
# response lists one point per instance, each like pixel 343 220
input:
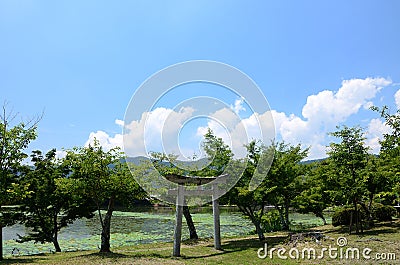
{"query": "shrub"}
pixel 271 221
pixel 342 215
pixel 383 212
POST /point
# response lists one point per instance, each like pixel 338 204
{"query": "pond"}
pixel 143 225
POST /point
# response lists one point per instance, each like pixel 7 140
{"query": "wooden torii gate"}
pixel 180 193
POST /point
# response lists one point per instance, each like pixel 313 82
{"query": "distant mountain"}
pixel 313 160
pixel 197 163
pixel 136 160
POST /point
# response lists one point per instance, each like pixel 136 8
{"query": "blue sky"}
pixel 81 61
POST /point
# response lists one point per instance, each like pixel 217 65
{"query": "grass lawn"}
pixel 382 239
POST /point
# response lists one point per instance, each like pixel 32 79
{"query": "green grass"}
pixel 385 237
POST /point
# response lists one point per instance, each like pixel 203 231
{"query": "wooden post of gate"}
pixel 215 205
pixel 178 225
pixel 180 193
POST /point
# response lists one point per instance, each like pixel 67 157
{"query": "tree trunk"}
pixel 368 210
pixel 1 241
pixel 356 216
pixel 286 226
pixel 106 224
pixel 55 233
pixel 189 222
pixel 247 211
pixel 281 217
pixel 56 245
pixel 259 230
pixel 351 221
pixel 320 215
pixel 371 198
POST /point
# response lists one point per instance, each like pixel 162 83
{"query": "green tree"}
pixel 390 149
pixel 217 152
pixel 314 197
pixel 349 159
pixel 285 178
pixel 250 202
pixel 105 178
pixel 14 139
pixel 49 207
pixel 378 184
pixel 390 145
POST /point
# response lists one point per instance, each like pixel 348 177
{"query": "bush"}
pixel 380 212
pixel 342 215
pixel 271 221
pixel 383 212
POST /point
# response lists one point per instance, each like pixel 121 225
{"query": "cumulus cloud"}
pixel 321 113
pixel 151 131
pixel 327 109
pixel 368 105
pixel 119 122
pixel 330 107
pixel 61 154
pixel 145 134
pixel 105 140
pixel 238 106
pixel 376 129
pixel 237 132
pixel 397 98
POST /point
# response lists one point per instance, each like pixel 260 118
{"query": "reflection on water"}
pixel 144 225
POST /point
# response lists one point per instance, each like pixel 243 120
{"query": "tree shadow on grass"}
pixel 251 243
pixel 237 245
pixel 115 256
pixel 22 260
pixel 110 255
pixel 377 229
pixel 195 250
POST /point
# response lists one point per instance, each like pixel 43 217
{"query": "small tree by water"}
pixel 49 205
pixel 104 177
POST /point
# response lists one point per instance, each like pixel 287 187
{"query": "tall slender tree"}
pixel 14 139
pixel 390 149
pixel 250 202
pixel 285 177
pixel 349 159
pixel 314 197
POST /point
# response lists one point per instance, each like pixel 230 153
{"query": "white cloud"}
pixel 106 141
pixel 368 105
pixel 329 107
pixel 223 123
pixel 238 106
pixel 144 133
pixel 321 113
pixel 61 154
pixel 119 122
pixel 397 98
pixel 376 130
pixel 155 129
